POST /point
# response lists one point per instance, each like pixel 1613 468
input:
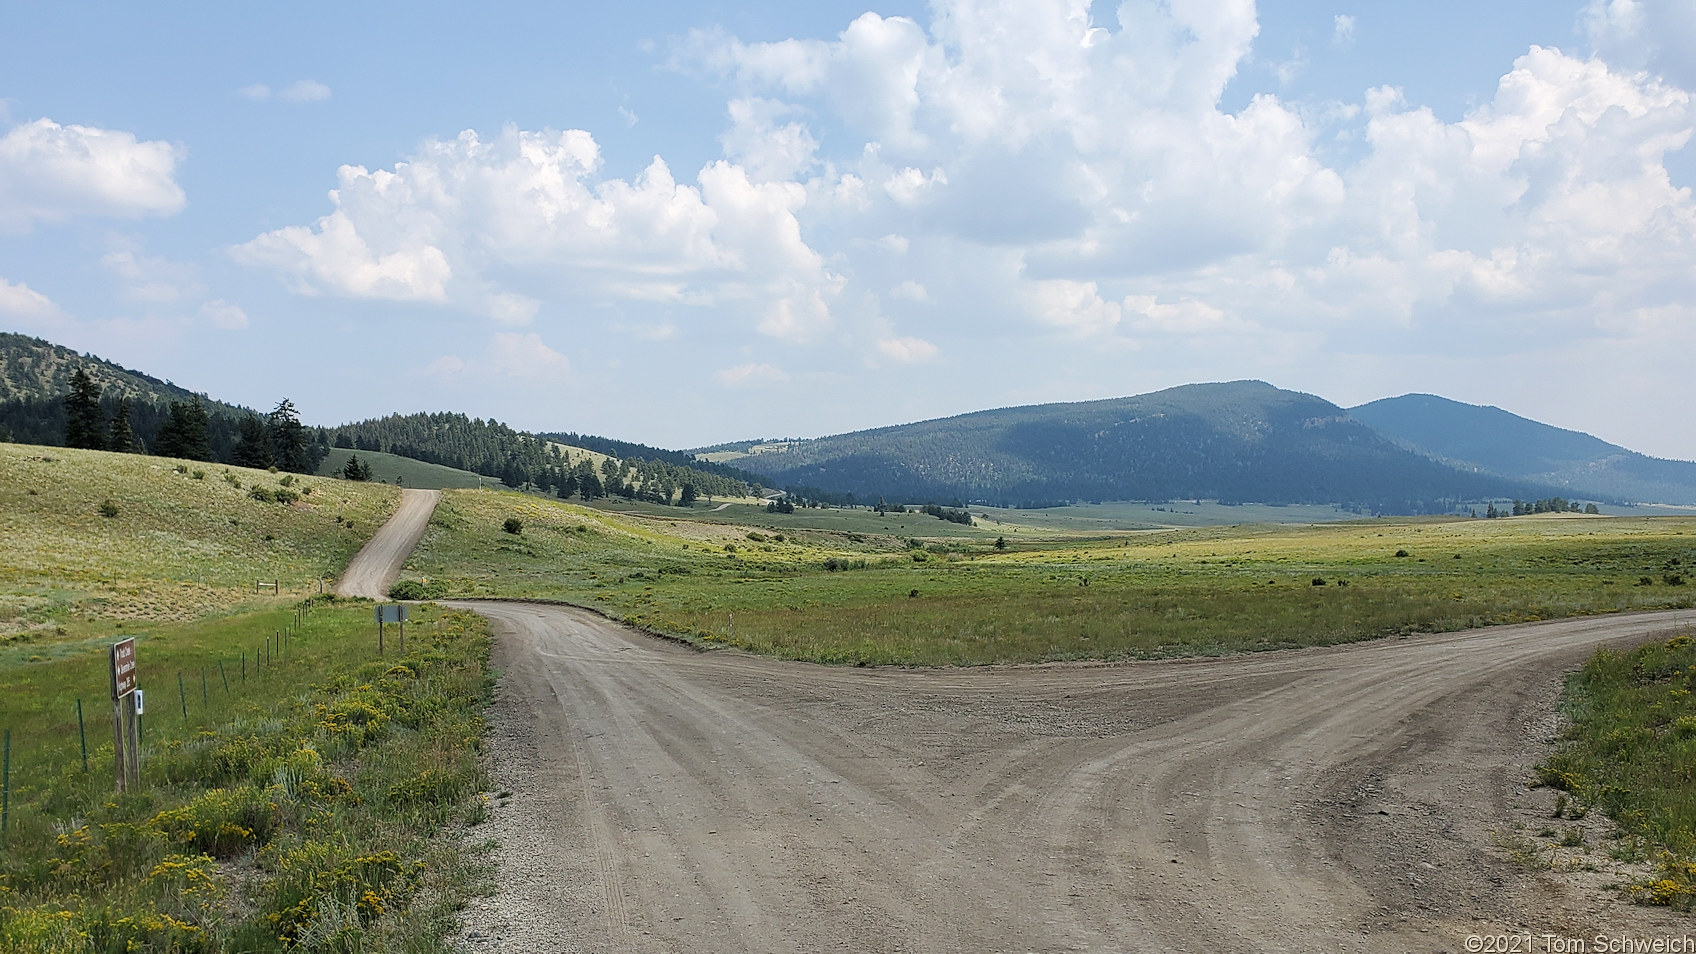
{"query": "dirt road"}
pixel 378 564
pixel 1336 799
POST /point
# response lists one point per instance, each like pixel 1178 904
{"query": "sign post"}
pixel 126 738
pixel 391 613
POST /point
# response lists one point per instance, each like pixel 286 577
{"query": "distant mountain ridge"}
pixel 1490 440
pixel 1239 441
pixel 1243 441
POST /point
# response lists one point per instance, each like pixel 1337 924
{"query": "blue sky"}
pixel 683 224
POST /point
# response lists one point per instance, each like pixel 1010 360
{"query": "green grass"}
pixel 306 800
pixel 1049 596
pixel 179 546
pixel 412 473
pixel 301 805
pixel 1630 749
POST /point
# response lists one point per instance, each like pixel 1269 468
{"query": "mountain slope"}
pixel 1240 441
pixel 35 376
pixel 32 369
pixel 1499 442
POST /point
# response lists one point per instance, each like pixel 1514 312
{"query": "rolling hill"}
pixel 1491 440
pixel 36 374
pixel 1243 441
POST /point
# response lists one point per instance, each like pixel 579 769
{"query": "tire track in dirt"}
pixel 670 800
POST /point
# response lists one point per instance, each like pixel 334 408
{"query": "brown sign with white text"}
pixel 123 668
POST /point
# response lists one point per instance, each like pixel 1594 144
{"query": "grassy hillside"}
pixel 298 792
pixel 184 538
pixel 412 473
pixel 1240 442
pixel 908 596
pixel 1494 440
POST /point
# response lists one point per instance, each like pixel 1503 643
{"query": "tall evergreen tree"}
pixel 184 432
pixel 122 436
pixel 288 438
pixel 356 469
pixel 253 449
pixel 85 422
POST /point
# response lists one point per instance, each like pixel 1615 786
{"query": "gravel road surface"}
pixel 377 565
pixel 1351 798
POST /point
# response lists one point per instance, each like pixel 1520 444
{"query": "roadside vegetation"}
pixel 289 803
pixel 299 791
pixel 1630 750
pixel 936 593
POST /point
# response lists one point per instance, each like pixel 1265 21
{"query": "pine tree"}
pixel 253 449
pixel 85 423
pixel 356 469
pixel 122 436
pixel 184 432
pixel 288 438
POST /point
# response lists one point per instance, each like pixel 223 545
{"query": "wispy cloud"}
pixel 300 91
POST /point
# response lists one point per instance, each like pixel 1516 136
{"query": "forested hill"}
pixel 35 376
pixel 625 450
pixel 518 458
pixel 35 369
pixel 1497 441
pixel 1243 441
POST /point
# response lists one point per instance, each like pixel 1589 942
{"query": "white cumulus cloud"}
pixel 50 173
pixel 439 226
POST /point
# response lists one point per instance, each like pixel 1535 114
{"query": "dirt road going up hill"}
pixel 375 567
pixel 1331 799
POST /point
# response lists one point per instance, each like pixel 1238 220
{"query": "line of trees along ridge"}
pixel 185 430
pixel 521 459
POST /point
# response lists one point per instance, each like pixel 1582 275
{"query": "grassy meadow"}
pixel 93 538
pixel 298 792
pixel 927 592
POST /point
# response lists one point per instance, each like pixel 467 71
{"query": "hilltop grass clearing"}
pixel 932 593
pixel 92 537
pixel 416 474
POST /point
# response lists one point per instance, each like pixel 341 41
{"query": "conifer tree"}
pixel 184 432
pixel 85 423
pixel 288 438
pixel 122 436
pixel 253 448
